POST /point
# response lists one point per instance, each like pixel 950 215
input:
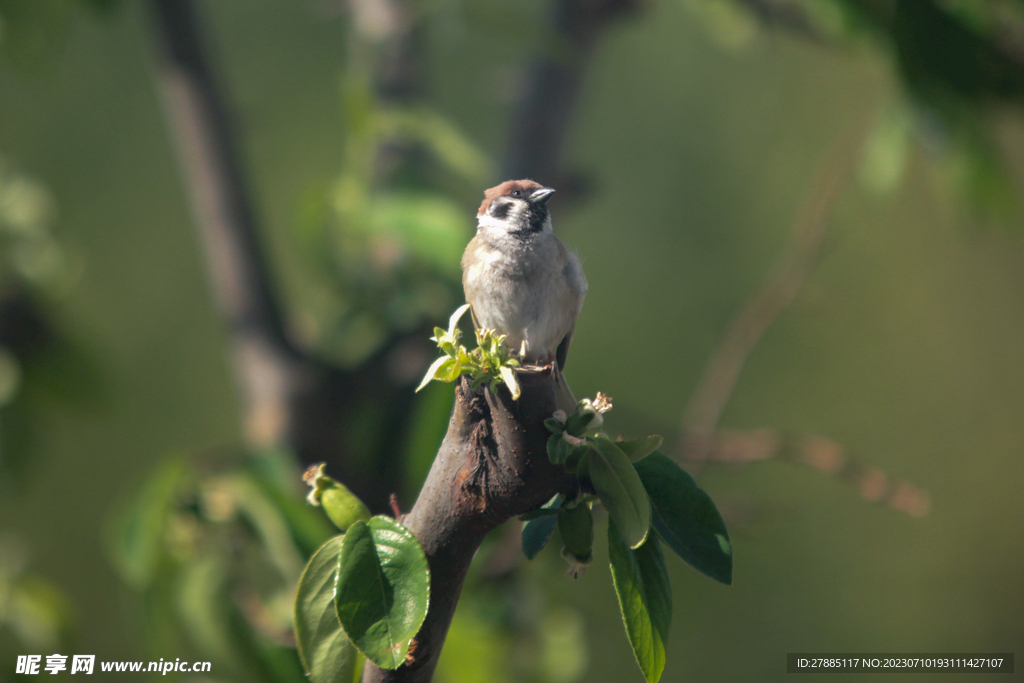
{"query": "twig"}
pixel 701 440
pixel 705 407
pixel 824 455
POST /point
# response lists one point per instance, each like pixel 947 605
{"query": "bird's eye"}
pixel 517 193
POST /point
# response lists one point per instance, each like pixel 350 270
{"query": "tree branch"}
pixel 822 454
pixel 703 442
pixel 723 368
pixel 542 116
pixel 492 466
pixel 288 397
pixel 225 219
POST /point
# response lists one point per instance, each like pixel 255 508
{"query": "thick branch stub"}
pixel 492 466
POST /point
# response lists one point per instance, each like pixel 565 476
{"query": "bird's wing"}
pixel 563 348
pixel 577 282
pixel 466 287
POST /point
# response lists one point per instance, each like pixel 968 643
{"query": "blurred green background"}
pixel 698 133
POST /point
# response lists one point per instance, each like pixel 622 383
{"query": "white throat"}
pixel 489 224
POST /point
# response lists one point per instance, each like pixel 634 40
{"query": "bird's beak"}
pixel 541 195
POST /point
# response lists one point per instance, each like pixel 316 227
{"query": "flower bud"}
pixel 342 506
pixel 576 525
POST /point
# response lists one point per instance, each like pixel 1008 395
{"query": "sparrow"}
pixel 519 279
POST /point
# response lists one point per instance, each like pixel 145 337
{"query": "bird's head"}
pixel 517 207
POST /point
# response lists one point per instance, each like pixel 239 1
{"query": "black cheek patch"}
pixel 500 211
pixel 537 218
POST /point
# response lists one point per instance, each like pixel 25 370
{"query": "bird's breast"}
pixel 521 290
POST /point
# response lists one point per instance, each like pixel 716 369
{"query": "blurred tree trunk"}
pixel 288 397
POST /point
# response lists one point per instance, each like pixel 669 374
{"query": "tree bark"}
pixel 492 466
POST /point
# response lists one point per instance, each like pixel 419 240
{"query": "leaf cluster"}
pixel 384 245
pixel 490 363
pixel 364 593
pixel 208 546
pixel 650 500
pixel 957 61
pixel 41 360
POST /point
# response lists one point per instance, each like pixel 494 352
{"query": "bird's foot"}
pixel 543 364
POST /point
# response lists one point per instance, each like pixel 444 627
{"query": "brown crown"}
pixel 503 189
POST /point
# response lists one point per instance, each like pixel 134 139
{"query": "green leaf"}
pixel 537 514
pixel 383 589
pixel 645 599
pixel 686 517
pixel 620 490
pixel 327 654
pixel 442 138
pixel 587 420
pixel 638 449
pixel 307 525
pixel 508 376
pixel 574 462
pixel 201 609
pixel 554 426
pixel 537 532
pixel 439 369
pixel 558 449
pixel 137 531
pixel 453 322
pixel 265 518
pixel 430 226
